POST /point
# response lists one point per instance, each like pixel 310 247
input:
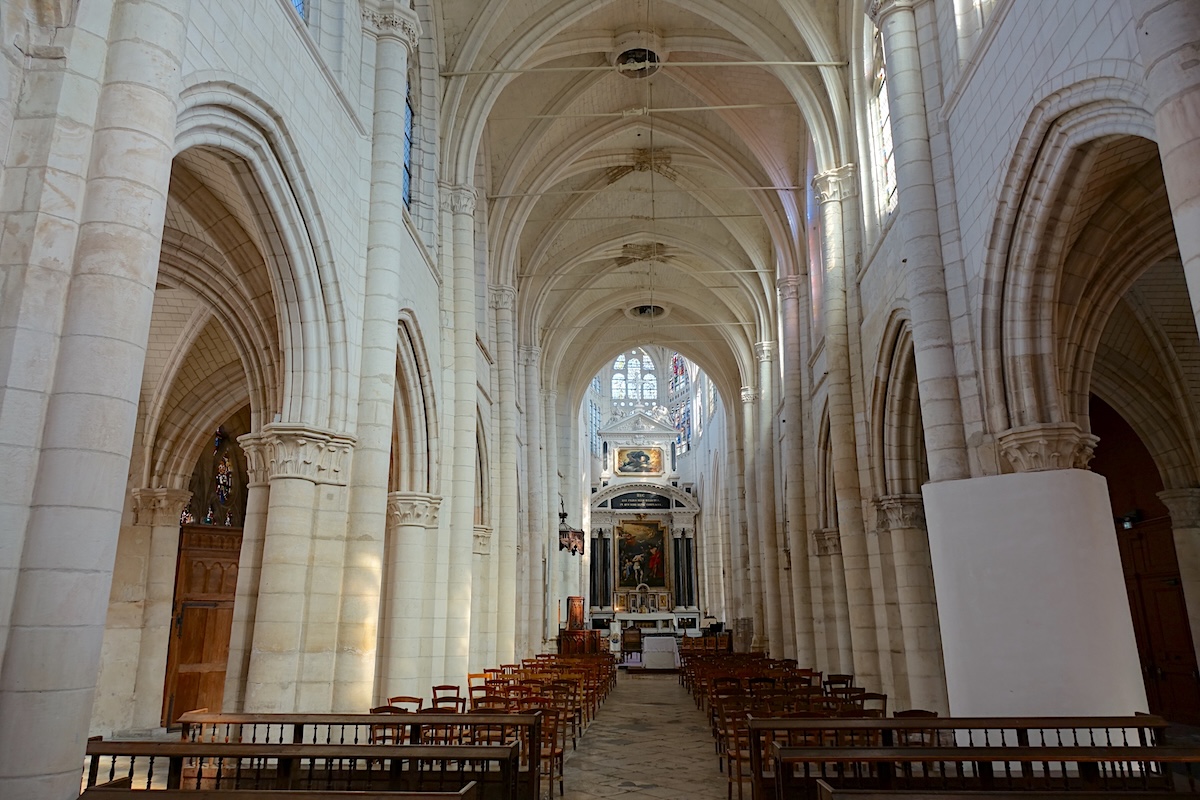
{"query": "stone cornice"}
pixel 297 451
pixel 900 511
pixel 764 351
pixel 1183 505
pixel 413 508
pixel 1034 448
pixel 749 394
pixel 501 297
pixel 836 185
pixel 159 507
pixel 401 24
pixel 257 471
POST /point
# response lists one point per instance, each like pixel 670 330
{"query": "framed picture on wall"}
pixel 641 555
pixel 638 461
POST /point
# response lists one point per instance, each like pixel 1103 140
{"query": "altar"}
pixel 660 652
pixel 649 621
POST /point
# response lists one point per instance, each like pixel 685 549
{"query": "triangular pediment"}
pixel 639 424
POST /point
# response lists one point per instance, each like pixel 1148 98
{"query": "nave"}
pixel 649 740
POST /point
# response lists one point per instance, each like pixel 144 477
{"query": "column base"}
pixel 1031 597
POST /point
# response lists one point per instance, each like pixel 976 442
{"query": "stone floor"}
pixel 648 740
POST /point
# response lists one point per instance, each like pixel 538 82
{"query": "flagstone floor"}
pixel 648 740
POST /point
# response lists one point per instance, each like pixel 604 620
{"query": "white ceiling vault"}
pixel 608 190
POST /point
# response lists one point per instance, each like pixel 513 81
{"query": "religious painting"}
pixel 641 554
pixel 639 461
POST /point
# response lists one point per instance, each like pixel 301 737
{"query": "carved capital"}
pixel 900 511
pixel 257 468
pixel 458 199
pixel 749 394
pixel 879 10
pixel 765 351
pixel 157 507
pixel 400 24
pixel 1183 505
pixel 530 356
pixel 481 540
pixel 826 542
pixel 412 508
pixel 789 287
pixel 296 451
pixel 501 297
pixel 836 184
pixel 1033 448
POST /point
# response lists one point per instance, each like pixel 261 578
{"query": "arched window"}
pixel 218 486
pixel 681 402
pixel 885 160
pixel 408 141
pixel 633 379
pixel 299 6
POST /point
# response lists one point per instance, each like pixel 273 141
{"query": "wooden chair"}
pixel 874 704
pixel 447 690
pixel 406 702
pixel 387 733
pixel 553 752
pixel 735 746
pixel 838 680
pixel 915 713
pixel 448 703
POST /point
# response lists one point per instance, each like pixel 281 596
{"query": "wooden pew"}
pixel 198 766
pixel 1141 730
pixel 827 792
pixel 487 727
pixel 932 770
pixel 468 792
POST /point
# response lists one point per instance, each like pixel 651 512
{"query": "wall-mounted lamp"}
pixel 569 538
pixel 1127 521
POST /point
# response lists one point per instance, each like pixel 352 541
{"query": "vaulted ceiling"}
pixel 650 203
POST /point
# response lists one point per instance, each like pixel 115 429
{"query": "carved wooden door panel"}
pixel 205 584
pixel 1160 620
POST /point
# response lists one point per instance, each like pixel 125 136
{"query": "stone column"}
pixel 60 594
pixel 535 551
pixel 827 545
pixel 160 510
pixel 1033 554
pixel 503 301
pixel 737 577
pixel 1184 507
pixel 462 509
pixel 902 522
pixel 760 642
pixel 395 30
pixel 765 491
pixel 295 622
pixel 793 458
pixel 554 556
pixel 1168 36
pixel 832 188
pixel 245 603
pixel 407 663
pixel 483 616
pixel 921 252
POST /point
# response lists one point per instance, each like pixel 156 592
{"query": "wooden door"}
pixel 198 655
pixel 1160 620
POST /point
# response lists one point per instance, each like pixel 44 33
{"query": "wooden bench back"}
pixel 524 728
pixel 1112 770
pixel 200 766
pixel 1141 730
pixel 468 792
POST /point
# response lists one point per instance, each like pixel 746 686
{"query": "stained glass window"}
pixel 594 427
pixel 217 488
pixel 633 378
